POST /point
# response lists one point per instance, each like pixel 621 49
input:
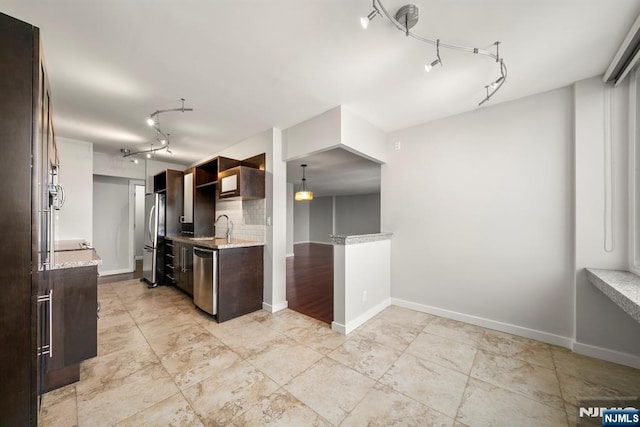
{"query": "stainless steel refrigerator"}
pixel 152 265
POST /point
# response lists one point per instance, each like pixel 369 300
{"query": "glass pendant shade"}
pixel 304 193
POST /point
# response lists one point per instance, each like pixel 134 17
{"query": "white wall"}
pixel 361 137
pixel 111 219
pixel 321 219
pixel 480 206
pixel 337 127
pixel 362 282
pixel 601 324
pixel 301 222
pixel 290 220
pixel 75 219
pixel 319 133
pixel 358 214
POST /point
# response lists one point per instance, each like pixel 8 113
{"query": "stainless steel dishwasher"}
pixel 205 279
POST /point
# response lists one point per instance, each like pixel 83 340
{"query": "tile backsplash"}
pixel 248 217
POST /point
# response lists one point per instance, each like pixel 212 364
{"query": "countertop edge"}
pixel 622 287
pixel 94 260
pixel 211 245
pixel 338 239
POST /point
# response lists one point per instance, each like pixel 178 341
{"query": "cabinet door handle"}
pixel 48 349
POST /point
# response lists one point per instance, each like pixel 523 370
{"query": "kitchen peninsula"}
pixel 237 272
pixel 70 309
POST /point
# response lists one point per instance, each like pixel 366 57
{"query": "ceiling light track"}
pixel 406 18
pixel 162 138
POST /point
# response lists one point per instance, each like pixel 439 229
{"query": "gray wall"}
pixel 111 219
pixel 139 231
pixel 315 221
pixel 489 233
pixel 301 222
pixel 321 219
pixel 359 214
pixel 510 212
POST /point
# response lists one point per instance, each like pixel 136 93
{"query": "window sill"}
pixel 622 287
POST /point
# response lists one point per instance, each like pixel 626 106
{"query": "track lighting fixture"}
pixel 162 138
pixel 407 17
pixel 437 61
pixel 364 21
pixel 303 194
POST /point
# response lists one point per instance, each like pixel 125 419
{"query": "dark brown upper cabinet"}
pixel 244 179
pixel 241 181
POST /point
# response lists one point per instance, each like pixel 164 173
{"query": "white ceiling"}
pixel 248 65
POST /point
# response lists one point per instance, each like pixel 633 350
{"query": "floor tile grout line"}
pixel 466 386
pixel 179 390
pixel 520 393
pixel 157 357
pixel 403 352
pixel 564 401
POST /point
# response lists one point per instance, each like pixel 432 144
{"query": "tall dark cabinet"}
pixel 27 166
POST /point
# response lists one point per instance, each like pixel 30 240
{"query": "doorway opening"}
pixel 346 201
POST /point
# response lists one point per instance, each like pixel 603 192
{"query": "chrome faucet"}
pixel 229 226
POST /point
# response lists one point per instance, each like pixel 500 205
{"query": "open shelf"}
pixel 207 173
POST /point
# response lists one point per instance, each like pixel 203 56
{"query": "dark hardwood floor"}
pixel 310 280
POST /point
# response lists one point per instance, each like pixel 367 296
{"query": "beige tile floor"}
pixel 162 362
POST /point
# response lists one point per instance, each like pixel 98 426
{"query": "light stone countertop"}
pixel 215 243
pixel 338 239
pixel 622 287
pixel 74 259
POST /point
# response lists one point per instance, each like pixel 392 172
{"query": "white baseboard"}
pixel 360 320
pixel 114 272
pixel 339 327
pixel 139 258
pixel 275 307
pixel 288 255
pixel 488 323
pixel 367 315
pixel 314 242
pixel 606 354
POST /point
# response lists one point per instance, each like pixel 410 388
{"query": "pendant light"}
pixel 304 193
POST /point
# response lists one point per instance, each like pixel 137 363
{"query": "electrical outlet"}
pixel 397 145
pixel 268 221
pixel 364 296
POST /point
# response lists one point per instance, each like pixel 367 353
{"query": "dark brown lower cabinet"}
pixel 240 281
pixel 182 266
pixel 71 336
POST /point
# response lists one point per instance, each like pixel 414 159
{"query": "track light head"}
pixel 150 121
pixel 428 67
pixel 495 84
pixel 364 21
